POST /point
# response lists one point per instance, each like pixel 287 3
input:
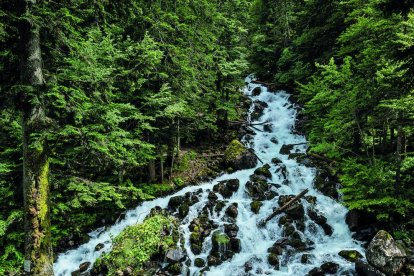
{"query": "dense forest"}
pixel 102 102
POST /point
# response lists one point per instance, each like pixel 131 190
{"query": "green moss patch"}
pixel 233 151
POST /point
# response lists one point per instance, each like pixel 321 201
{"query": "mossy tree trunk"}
pixel 38 249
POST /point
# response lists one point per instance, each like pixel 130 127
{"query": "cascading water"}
pixel 254 240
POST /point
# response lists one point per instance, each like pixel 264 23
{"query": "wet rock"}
pixel 175 202
pixel 295 211
pixel 363 268
pixel 267 128
pixel 317 271
pixel 306 258
pixel 384 253
pixel 285 219
pixel 213 261
pixel 353 219
pixel 274 140
pixel 231 230
pixel 330 267
pixel 275 249
pixel 282 169
pixel 258 108
pixel 327 229
pixel 311 199
pixel 263 171
pixel 256 91
pixel 84 266
pixel 285 149
pixel 174 256
pixel 255 206
pixel 259 189
pixel 227 188
pixel 248 266
pixel 198 262
pixel 183 210
pixel 325 184
pixel 350 255
pixel 232 211
pixel 212 196
pixel 321 220
pixel 273 260
pixel 276 161
pixel 99 246
pixel 235 245
pixel 288 229
pixel 220 242
pixel 219 206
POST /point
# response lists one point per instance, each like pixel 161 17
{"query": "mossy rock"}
pixel 138 244
pixel 273 260
pixel 350 255
pixel 198 262
pixel 238 157
pixel 264 171
pixel 234 150
pixel 255 206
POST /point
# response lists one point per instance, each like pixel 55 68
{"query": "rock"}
pixel 317 271
pixel 352 219
pixel 231 230
pixel 255 206
pixel 220 205
pixel 263 171
pixel 384 253
pixel 175 202
pixel 306 258
pixel 198 262
pixel 174 256
pixel 273 260
pixel 235 245
pixel 183 210
pixel 227 188
pixel 324 183
pixel 274 140
pixel 256 91
pixel 365 269
pixel 285 149
pixel 276 161
pixel 84 266
pixel 311 199
pixel 99 246
pixel 267 128
pixel 258 108
pixel 330 267
pixel 295 211
pixel 213 261
pixel 232 211
pixel 350 255
pixel 220 242
pixel 259 189
pixel 238 157
pixel 275 249
pixel 128 271
pixel 316 217
pixel 282 169
pixel 248 266
pixel 212 196
pixel 327 229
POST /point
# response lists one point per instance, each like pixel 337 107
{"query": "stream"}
pixel 254 240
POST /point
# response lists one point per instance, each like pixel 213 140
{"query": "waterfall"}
pixel 254 240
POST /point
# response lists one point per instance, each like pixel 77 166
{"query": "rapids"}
pixel 255 241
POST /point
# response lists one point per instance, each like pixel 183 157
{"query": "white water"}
pixel 254 240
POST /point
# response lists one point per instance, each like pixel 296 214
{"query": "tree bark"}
pixel 38 249
pixel 151 170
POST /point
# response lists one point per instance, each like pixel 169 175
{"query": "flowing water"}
pixel 254 240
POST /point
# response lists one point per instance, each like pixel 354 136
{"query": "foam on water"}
pixel 254 240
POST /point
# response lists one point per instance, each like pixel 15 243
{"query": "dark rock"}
pixel 227 188
pixel 277 250
pixel 274 140
pixel 256 91
pixel 324 183
pixel 248 267
pixel 220 242
pixel 212 196
pixel 213 261
pixel 365 269
pixel 267 128
pixel 295 211
pixel 327 229
pixel 183 210
pixel 198 262
pixel 263 171
pixel 282 169
pixel 232 211
pixel 306 259
pixel 273 260
pixel 175 202
pixel 385 254
pixel 84 266
pixel 231 230
pixel 276 161
pixel 255 206
pixel 330 267
pixel 352 219
pixel 311 199
pixel 235 245
pixel 317 271
pixel 285 149
pixel 350 255
pixel 99 246
pixel 220 205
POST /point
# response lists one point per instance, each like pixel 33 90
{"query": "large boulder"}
pixel 258 109
pixel 238 157
pixel 363 268
pixel 227 187
pixel 385 254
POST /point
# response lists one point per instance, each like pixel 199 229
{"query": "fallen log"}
pixel 284 207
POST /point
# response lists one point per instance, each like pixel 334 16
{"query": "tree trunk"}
pixel 151 170
pixel 397 186
pixel 38 249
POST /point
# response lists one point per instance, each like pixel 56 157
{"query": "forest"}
pixel 104 104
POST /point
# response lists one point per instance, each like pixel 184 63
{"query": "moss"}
pixel 233 151
pixel 255 206
pixel 264 171
pixel 137 244
pixel 221 239
pixel 350 255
